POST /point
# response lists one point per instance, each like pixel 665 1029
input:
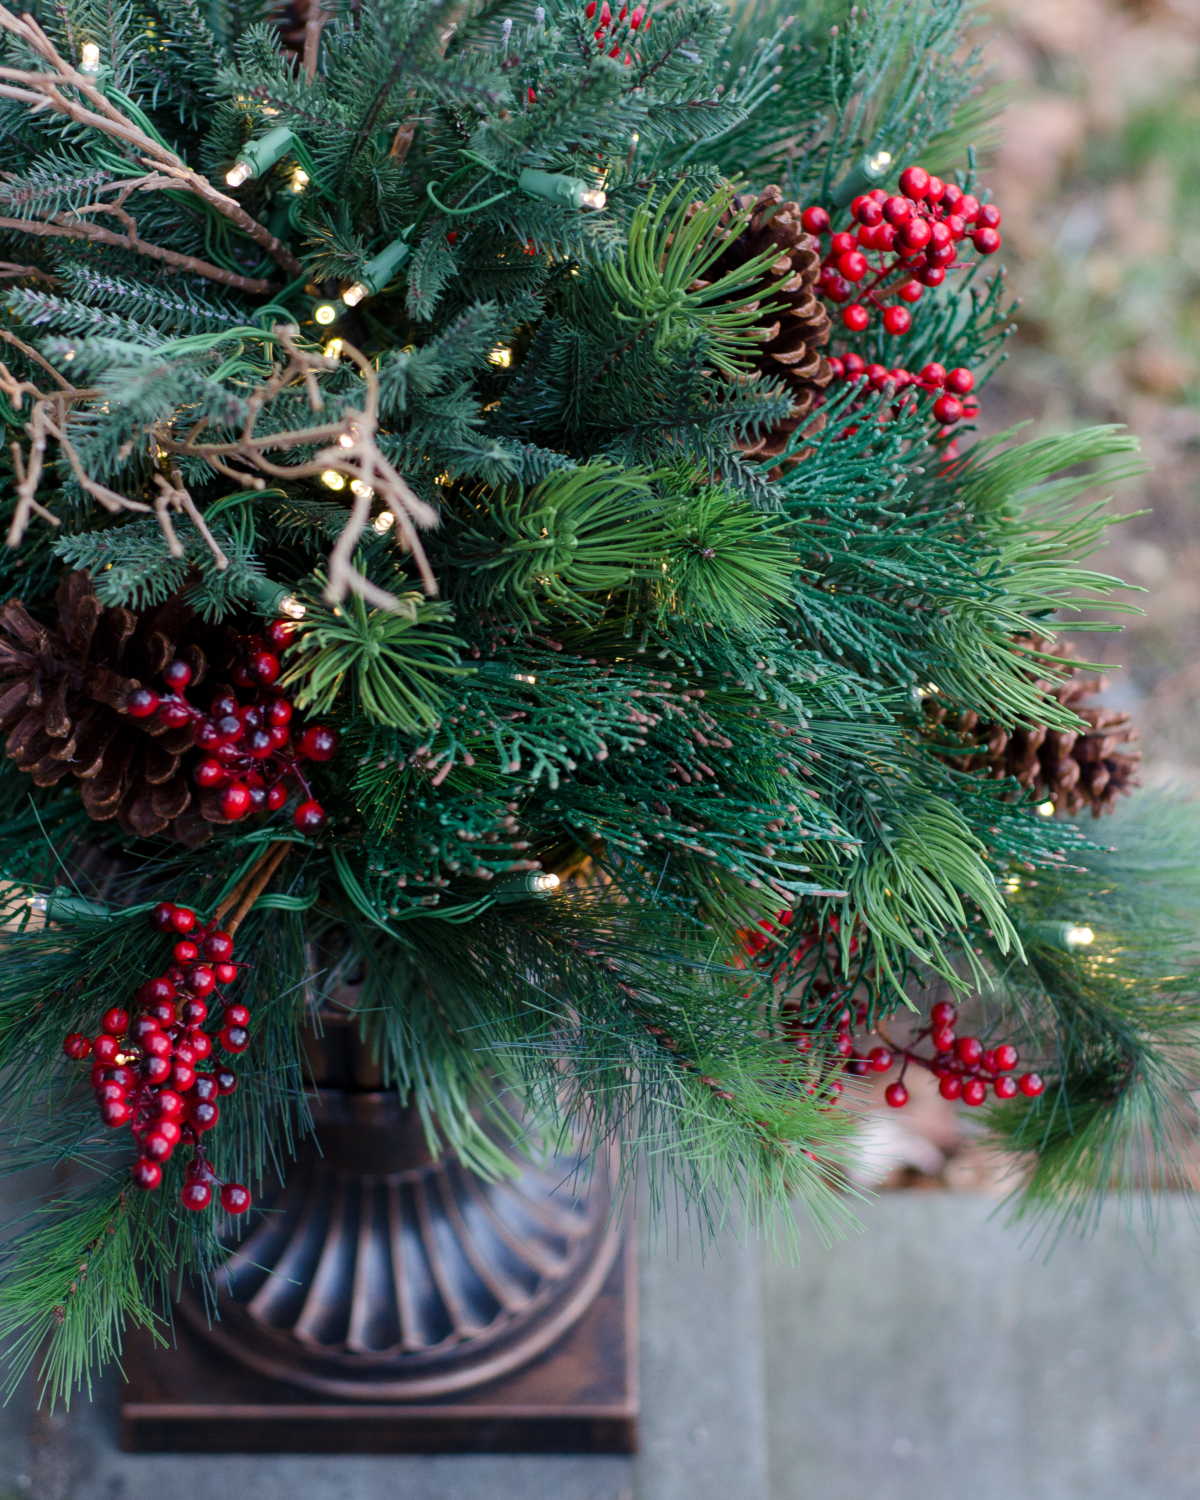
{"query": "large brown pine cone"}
pixel 62 699
pixel 799 321
pixel 1073 769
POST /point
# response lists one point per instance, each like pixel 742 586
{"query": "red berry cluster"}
pixel 636 17
pixel 915 237
pixel 954 403
pixel 249 747
pixel 963 1066
pixel 145 1071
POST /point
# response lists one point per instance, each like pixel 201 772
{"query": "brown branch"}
pixel 316 20
pixel 43 91
pixel 252 885
pixel 9 271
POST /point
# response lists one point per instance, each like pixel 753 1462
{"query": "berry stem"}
pixel 251 886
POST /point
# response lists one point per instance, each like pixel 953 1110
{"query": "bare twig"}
pixel 316 20
pixel 45 91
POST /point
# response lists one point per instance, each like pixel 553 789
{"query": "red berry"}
pixel 854 365
pixel 855 317
pixel 943 1013
pixel 876 374
pixel 839 290
pixel 226 1079
pixel 276 797
pixel 915 235
pixel 988 216
pixel 931 275
pixel 161 916
pixel 185 1053
pixel 939 236
pixel 943 1039
pixel 885 237
pixel 911 291
pixel 76 1045
pixel 988 1062
pixel 115 1112
pixel 234 1039
pixel 844 1046
pixel 280 735
pixel 914 182
pixel 309 817
pixel 841 243
pixel 194 1012
pixel 156 991
pixel 109 1090
pixel 228 729
pixel 866 238
pixel 185 951
pixel 815 221
pixel 196 1195
pixel 969 1050
pixel 960 381
pixel 241 676
pixel 1030 1085
pixel 1005 1087
pixel 225 973
pixel 106 1048
pixel 116 1021
pixel 201 980
pixel 952 196
pixel 183 1075
pixel 157 1044
pixel 168 1129
pixel 177 675
pixel 201 1043
pixel 881 1059
pixel 205 1088
pixel 259 743
pixel 278 634
pixel 235 801
pixel 183 920
pixel 205 736
pixel 157 1146
pixel 897 320
pixel 868 213
pixel 143 1027
pixel 156 1069
pixel 218 946
pixel 174 714
pixel 967 208
pixel 279 713
pixel 936 188
pixel 1007 1056
pixel 222 705
pixel 146 1174
pixel 853 266
pixel 265 667
pixel 951 1087
pixel 235 1199
pixel 141 703
pixel 896 1095
pixel 974 1092
pixel 169 1104
pixel 956 226
pixel 947 410
pixel 203 1115
pixel 123 1076
pixel 897 211
pixel 934 375
pixel 209 773
pixel 235 1015
pixel 319 743
pixel 836 367
pixel 986 241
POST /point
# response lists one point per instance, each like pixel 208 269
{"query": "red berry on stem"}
pixel 986 241
pixel 116 1021
pixel 115 1112
pixel 952 197
pixel 914 182
pixel 943 1013
pixel 868 213
pixel 1030 1085
pixel 201 980
pixel 156 1069
pixel 881 1058
pixel 911 291
pixel 235 1199
pixel 815 221
pixel 168 1129
pixel 931 275
pixel 309 817
pixel 201 1043
pixel 943 1039
pixel 185 951
pixel 259 743
pixel 222 705
pixel 278 634
pixel 854 365
pixel 146 1174
pixel 915 235
pixel 933 374
pixel 235 801
pixel 161 916
pixel 939 236
pixel 105 1047
pixel 205 1088
pixel 141 703
pixel 897 320
pixel 183 919
pixel 855 317
pixel 319 743
pixel 841 243
pixel 969 1050
pixel 988 216
pixel 174 714
pixel 897 211
pixel 76 1045
pixel 936 188
pixel 951 1087
pixel 177 675
pixel 234 1039
pixel 967 207
pixel 226 1079
pixel 218 946
pixel 183 1075
pixel 853 265
pixel 276 797
pixel 885 237
pixel 939 256
pixel 896 1095
pixel 169 1104
pixel 109 1090
pixel 157 1146
pixel 209 773
pixel 1005 1087
pixel 960 381
pixel 947 410
pixel 956 226
pixel 157 1044
pixel 194 1012
pixel 203 1115
pixel 235 1015
pixel 196 1195
pixel 876 374
pixel 143 1027
pixel 988 1062
pixel 279 713
pixel 1007 1056
pixel 974 1092
pixel 225 973
pixel 124 1076
pixel 228 729
pixel 265 667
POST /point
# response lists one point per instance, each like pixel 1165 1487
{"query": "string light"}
pixel 1012 885
pixel 325 313
pixel 525 677
pixel 300 180
pixel 363 491
pixel 346 440
pixel 257 157
pixel 377 272
pixel 89 61
pixel 290 606
pixel 383 522
pixel 1045 809
pixel 568 192
pixel 333 479
pixel 1079 937
pixel 501 357
pixel 333 349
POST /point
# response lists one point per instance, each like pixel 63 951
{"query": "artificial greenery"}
pixel 558 616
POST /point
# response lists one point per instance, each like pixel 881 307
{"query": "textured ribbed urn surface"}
pixel 376 1272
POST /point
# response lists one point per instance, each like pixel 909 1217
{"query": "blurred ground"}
pixel 1097 174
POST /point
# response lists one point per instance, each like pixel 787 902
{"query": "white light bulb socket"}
pixel 377 272
pixel 63 906
pixel 567 192
pixel 867 173
pixel 257 157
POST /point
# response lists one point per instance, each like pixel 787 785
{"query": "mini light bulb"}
pixel 880 162
pixel 1046 809
pixel 300 180
pixel 544 882
pixel 333 479
pixel 290 606
pixel 361 489
pixel 353 295
pixel 383 522
pixel 525 677
pixel 89 61
pixel 325 313
pixel 333 349
pixel 501 357
pixel 593 198
pixel 1079 937
pixel 240 172
pixel 346 441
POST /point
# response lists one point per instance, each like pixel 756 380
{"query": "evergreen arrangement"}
pixel 488 536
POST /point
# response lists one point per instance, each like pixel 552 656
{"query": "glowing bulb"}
pixel 269 110
pixel 544 882
pixel 880 162
pixel 240 172
pixel 69 356
pixel 1046 809
pixel 501 357
pixel 1011 885
pixel 525 677
pixel 353 295
pixel 290 606
pixel 383 522
pixel 333 349
pixel 363 491
pixel 300 180
pixel 333 479
pixel 90 60
pixel 1079 937
pixel 593 198
pixel 345 441
pixel 325 314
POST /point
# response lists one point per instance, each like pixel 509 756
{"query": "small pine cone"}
pixel 799 321
pixel 62 701
pixel 1072 768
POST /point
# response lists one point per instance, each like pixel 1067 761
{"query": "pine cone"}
pixel 1069 768
pixel 62 699
pixel 800 320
